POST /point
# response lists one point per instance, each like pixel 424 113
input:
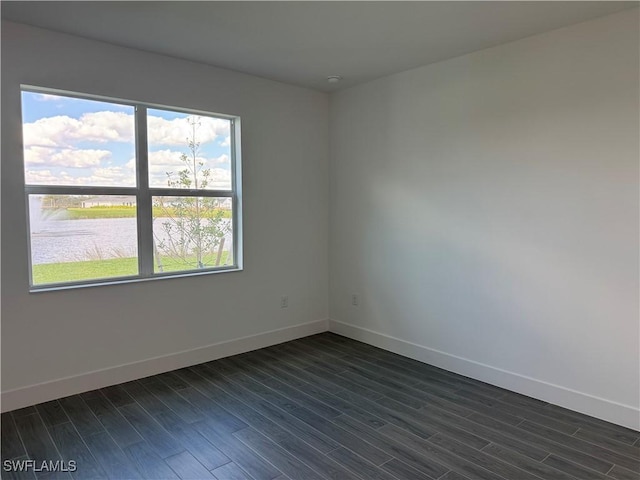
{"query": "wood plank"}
pixel 223 419
pixel 20 412
pixel 230 471
pixel 454 476
pixel 305 382
pixel 617 432
pixel 447 459
pixel 372 453
pixel 276 424
pixel 52 413
pixel 574 469
pixel 10 442
pixel 112 420
pixel 403 471
pixel 203 450
pixel 72 448
pixel 537 441
pixel 36 439
pixel 111 458
pixel 188 468
pixel 620 473
pixel 608 443
pixel 147 462
pixel 295 395
pixel 81 415
pixel 116 395
pixel 157 437
pixel 487 462
pixel 412 457
pixel 629 462
pixel 256 466
pixel 183 408
pixel 280 458
pixel 358 465
pixel 525 463
pixel 320 463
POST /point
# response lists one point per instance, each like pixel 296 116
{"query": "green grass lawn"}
pixel 89 270
pixel 73 213
pixel 100 212
pixel 114 267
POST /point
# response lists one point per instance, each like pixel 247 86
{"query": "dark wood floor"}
pixel 315 408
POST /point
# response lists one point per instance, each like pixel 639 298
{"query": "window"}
pixel 118 190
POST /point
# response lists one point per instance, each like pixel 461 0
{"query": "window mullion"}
pixel 77 190
pixel 145 208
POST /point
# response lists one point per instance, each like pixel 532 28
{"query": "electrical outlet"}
pixel 354 299
pixel 284 301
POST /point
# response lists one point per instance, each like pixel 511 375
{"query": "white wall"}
pixel 50 336
pixel 485 209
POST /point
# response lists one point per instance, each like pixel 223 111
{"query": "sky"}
pixel 70 141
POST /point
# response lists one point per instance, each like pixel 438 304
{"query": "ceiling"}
pixel 304 42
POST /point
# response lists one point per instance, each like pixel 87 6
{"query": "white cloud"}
pixel 105 177
pixel 169 158
pixel 124 175
pixel 47 132
pixel 66 157
pixel 120 176
pixel 46 177
pixel 99 175
pixel 46 97
pixel 220 179
pixel 222 160
pixel 178 131
pixel 226 142
pixel 105 127
pixel 102 127
pixel 163 162
pixel 64 131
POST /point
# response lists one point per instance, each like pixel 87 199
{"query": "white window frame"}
pixel 144 195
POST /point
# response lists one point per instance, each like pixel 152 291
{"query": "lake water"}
pixel 55 241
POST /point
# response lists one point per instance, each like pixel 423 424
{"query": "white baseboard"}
pixel 42 392
pixel 604 409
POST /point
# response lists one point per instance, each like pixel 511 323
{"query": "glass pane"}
pixel 72 141
pixel 191 233
pixel 188 151
pixel 76 238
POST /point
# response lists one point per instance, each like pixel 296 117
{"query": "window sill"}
pixel 125 280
